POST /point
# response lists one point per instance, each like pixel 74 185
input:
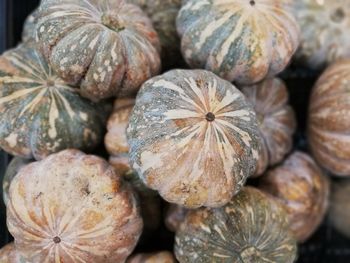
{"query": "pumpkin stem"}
pixel 252 2
pixel 338 15
pixel 56 240
pixel 112 22
pixel 210 116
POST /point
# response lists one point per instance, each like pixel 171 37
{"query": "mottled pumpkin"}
pixel 8 254
pixel 303 188
pixel 253 227
pixel 163 14
pixel 12 169
pixel 72 207
pixel 325 31
pixel 40 113
pixel 174 216
pixel 242 41
pixel 339 213
pixel 159 257
pixel 276 119
pixel 193 137
pixel 110 47
pixel 29 28
pixel 329 119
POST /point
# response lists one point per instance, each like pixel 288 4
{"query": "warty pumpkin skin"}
pixel 159 257
pixel 72 207
pixel 276 119
pixel 40 113
pixel 329 119
pixel 325 34
pixel 240 40
pixel 302 187
pixel 110 47
pixel 253 227
pixel 8 254
pixel 193 137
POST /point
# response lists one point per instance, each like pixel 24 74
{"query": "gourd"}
pixel 72 207
pixel 174 216
pixel 276 120
pixel 193 137
pixel 159 257
pixel 253 227
pixel 302 187
pixel 339 213
pixel 325 34
pixel 40 113
pixel 329 119
pixel 163 14
pixel 8 254
pixel 29 28
pixel 12 169
pixel 109 47
pixel 241 41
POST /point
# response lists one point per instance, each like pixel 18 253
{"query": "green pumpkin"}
pixel 41 114
pixel 252 228
pixel 29 28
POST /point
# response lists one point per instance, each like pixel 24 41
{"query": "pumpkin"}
pixel 303 188
pixel 163 14
pixel 8 254
pixel 174 216
pixel 40 113
pixel 276 120
pixel 72 207
pixel 241 41
pixel 329 119
pixel 109 47
pixel 159 257
pixel 251 228
pixel 193 137
pixel 325 34
pixel 339 213
pixel 29 28
pixel 11 171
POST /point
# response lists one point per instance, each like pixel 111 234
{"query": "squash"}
pixel 329 119
pixel 159 257
pixel 11 171
pixel 163 14
pixel 302 187
pixel 174 216
pixel 241 41
pixel 339 213
pixel 325 34
pixel 72 207
pixel 109 47
pixel 253 227
pixel 40 113
pixel 8 254
pixel 29 28
pixel 193 137
pixel 276 120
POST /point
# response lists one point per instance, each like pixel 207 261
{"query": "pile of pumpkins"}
pixel 192 136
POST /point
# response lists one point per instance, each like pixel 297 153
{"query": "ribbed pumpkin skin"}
pixel 329 119
pixel 276 119
pixel 175 215
pixel 12 169
pixel 8 254
pixel 340 207
pixel 40 113
pixel 251 228
pixel 159 257
pixel 302 187
pixel 109 46
pixel 326 31
pixel 163 14
pixel 29 28
pixel 193 137
pixel 72 207
pixel 237 40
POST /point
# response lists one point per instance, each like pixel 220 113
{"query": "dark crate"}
pixel 326 246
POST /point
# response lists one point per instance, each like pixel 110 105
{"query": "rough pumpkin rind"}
pixel 276 119
pixel 326 30
pixel 40 113
pixel 110 47
pixel 253 227
pixel 302 187
pixel 329 119
pixel 159 257
pixel 29 28
pixel 240 40
pixel 193 137
pixel 8 254
pixel 174 216
pixel 72 207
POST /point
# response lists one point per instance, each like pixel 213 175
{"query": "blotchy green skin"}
pixel 40 113
pixel 29 28
pixel 252 228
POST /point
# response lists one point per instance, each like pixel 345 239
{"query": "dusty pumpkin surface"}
pixel 193 137
pixel 72 207
pixel 8 254
pixel 159 257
